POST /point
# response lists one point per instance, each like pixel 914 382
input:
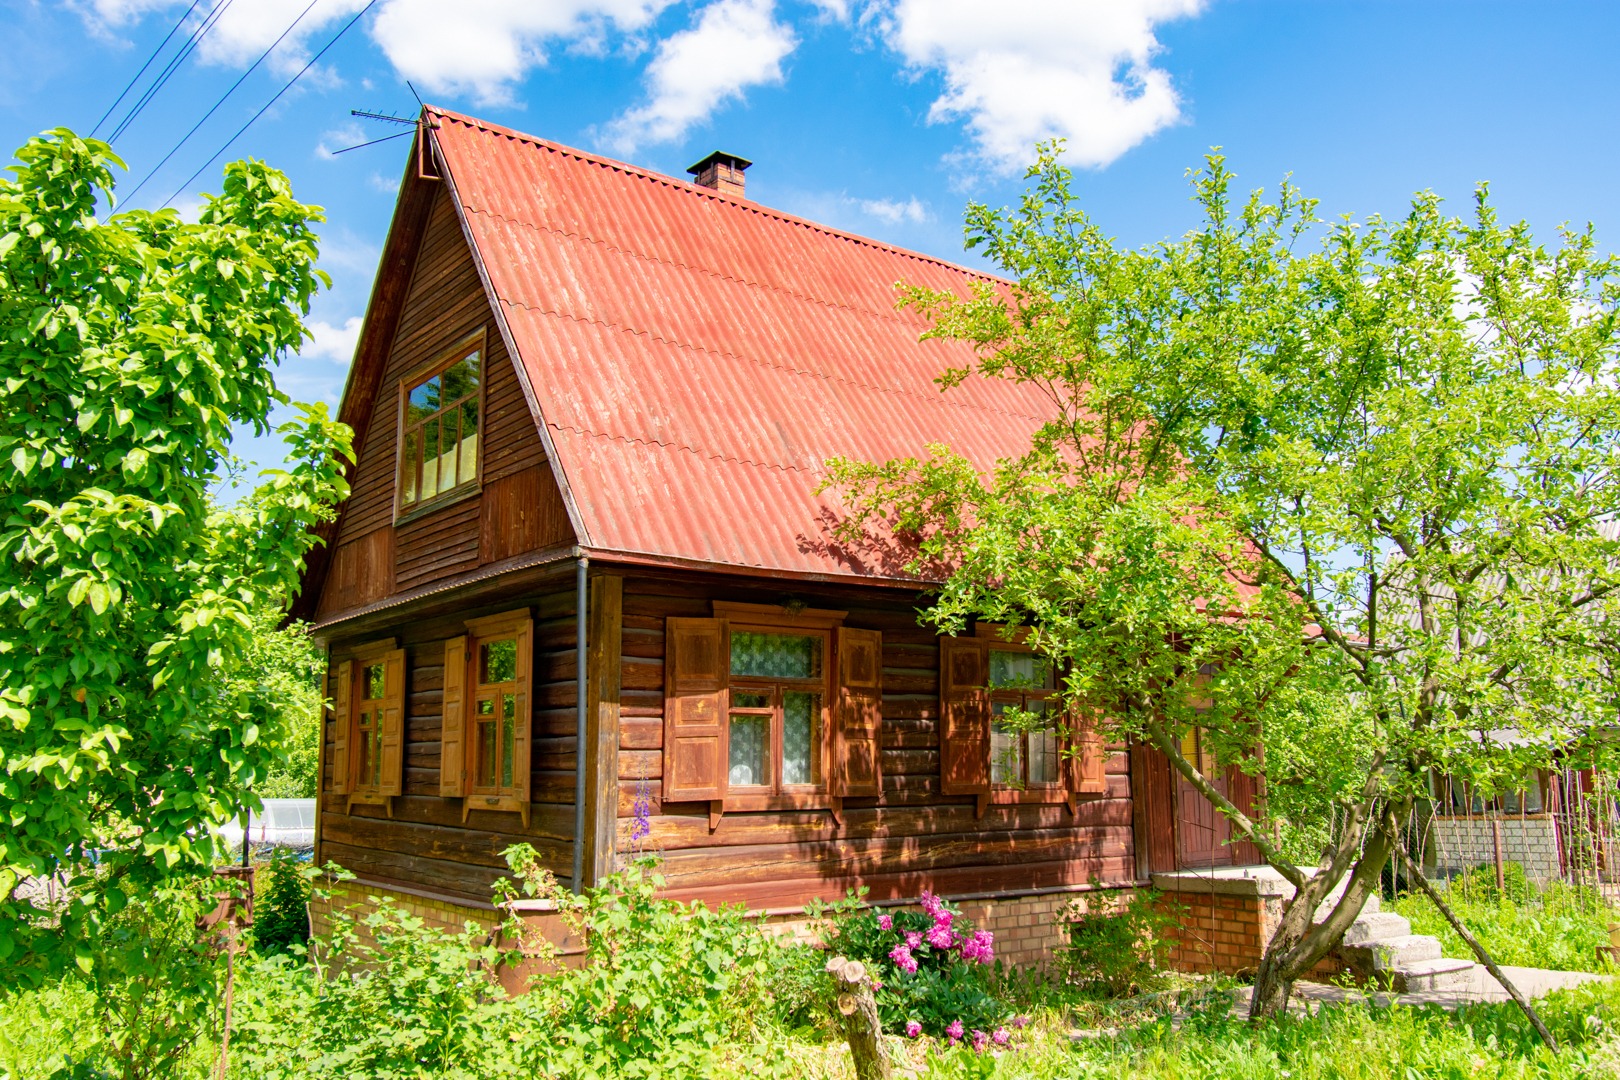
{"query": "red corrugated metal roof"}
pixel 697 358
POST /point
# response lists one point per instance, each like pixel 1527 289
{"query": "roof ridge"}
pixel 703 192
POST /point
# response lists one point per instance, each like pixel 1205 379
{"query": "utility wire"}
pixel 335 38
pixel 373 142
pixel 159 166
pixel 173 65
pixel 137 76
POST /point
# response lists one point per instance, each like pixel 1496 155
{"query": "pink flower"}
pixel 941 936
pixel 1001 1036
pixel 913 1029
pixel 979 947
pixel 877 984
pixel 980 1040
pixel 955 1030
pixel 886 922
pixel 1020 1022
pixel 913 939
pixel 903 959
pixel 932 904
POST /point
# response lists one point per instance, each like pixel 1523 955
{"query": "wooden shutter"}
pixel 964 711
pixel 393 723
pixel 453 725
pixel 520 740
pixel 697 662
pixel 342 724
pixel 858 715
pixel 1086 767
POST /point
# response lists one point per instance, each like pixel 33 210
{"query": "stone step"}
pixel 1387 954
pixel 1373 926
pixel 1440 974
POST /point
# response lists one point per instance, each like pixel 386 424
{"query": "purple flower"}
pixel 1001 1036
pixel 913 939
pixel 955 1030
pixel 903 959
pixel 913 1029
pixel 979 947
pixel 1020 1022
pixel 980 1040
pixel 886 922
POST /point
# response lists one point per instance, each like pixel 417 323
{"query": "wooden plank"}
pixel 602 719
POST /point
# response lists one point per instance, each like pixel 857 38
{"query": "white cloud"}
pixel 1038 69
pixel 895 212
pixel 240 34
pixel 733 45
pixel 332 142
pixel 483 46
pixel 334 343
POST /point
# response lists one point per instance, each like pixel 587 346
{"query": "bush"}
pixel 1116 949
pixel 931 965
pixel 281 908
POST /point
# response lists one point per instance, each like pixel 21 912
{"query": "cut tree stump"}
pixel 855 1011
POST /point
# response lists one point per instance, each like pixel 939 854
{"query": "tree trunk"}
pixel 1298 943
pixel 855 1011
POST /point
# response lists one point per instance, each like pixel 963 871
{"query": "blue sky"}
pixel 884 117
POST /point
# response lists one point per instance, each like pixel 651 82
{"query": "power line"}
pixel 137 77
pixel 173 65
pixel 335 38
pixel 184 139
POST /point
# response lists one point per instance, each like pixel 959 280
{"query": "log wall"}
pixel 519 508
pixel 425 842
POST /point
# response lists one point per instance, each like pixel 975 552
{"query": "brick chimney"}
pixel 722 172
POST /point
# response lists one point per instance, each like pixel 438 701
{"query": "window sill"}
pixel 438 502
pixel 496 803
pixel 1043 793
pixel 807 800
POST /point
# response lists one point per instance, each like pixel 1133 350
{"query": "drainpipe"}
pixel 581 616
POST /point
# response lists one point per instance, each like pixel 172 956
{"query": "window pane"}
pixel 1006 750
pixel 508 736
pixel 461 379
pixel 376 749
pixel 1043 757
pixel 1532 795
pixel 750 742
pixel 486 751
pixel 423 402
pixel 469 442
pixel 364 770
pixel 372 679
pixel 777 656
pixel 1018 669
pixel 497 661
pixel 750 699
pixel 408 465
pixel 801 738
pixel 430 459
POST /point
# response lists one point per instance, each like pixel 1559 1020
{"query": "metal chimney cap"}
pixel 722 158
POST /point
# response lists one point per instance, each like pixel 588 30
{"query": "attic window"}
pixel 439 427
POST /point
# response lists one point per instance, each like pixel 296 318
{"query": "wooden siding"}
pixel 908 839
pixel 445 303
pixel 425 842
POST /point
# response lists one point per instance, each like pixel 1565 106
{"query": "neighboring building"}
pixel 578 379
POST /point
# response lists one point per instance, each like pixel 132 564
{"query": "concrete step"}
pixel 1439 974
pixel 1373 926
pixel 1325 908
pixel 1387 954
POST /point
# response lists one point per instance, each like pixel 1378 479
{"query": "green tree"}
pixel 1332 493
pixel 129 350
pixel 281 676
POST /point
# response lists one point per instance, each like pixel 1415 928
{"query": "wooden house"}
pixel 585 587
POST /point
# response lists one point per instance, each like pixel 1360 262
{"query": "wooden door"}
pixel 1203 834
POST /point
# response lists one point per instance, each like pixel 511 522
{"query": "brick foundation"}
pixel 1222 919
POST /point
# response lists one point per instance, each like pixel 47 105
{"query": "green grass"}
pixel 1560 927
